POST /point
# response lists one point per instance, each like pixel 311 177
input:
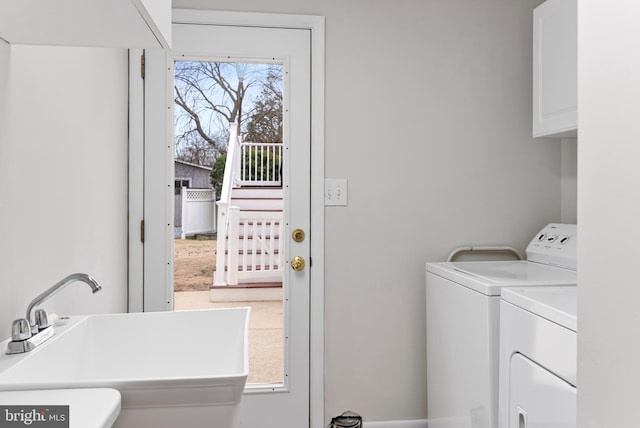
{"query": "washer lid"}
pixel 489 277
pixel 556 304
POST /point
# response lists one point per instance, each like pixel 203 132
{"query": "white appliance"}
pixel 538 357
pixel 463 321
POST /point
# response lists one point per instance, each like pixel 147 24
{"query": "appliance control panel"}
pixel 556 244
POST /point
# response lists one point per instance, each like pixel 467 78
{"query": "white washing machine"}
pixel 463 323
pixel 538 357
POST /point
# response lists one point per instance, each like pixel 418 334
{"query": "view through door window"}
pixel 229 201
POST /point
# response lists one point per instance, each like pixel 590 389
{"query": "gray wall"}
pixel 6 291
pixel 428 115
pixel 63 177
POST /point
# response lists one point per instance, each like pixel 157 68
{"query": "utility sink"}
pixel 185 368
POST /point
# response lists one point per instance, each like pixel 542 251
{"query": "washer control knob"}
pixel 542 236
pixel 552 238
pixel 564 239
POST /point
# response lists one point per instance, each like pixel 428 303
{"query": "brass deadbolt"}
pixel 297 263
pixel 298 235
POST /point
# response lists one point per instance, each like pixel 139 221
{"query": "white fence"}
pixel 198 211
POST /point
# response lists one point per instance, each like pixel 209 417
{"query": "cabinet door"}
pixel 555 69
pixel 95 23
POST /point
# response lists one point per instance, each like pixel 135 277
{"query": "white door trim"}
pixel 316 24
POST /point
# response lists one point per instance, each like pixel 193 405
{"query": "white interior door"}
pixel 284 404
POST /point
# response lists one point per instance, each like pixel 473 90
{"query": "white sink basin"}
pixel 172 368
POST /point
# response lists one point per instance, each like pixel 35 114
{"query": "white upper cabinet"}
pixel 555 69
pixel 99 23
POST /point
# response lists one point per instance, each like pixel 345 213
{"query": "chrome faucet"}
pixel 29 332
pixel 42 297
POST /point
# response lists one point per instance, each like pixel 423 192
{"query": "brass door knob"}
pixel 297 263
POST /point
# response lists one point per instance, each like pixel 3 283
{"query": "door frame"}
pixel 316 25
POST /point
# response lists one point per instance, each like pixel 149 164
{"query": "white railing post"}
pixel 234 237
pixel 236 161
pixel 242 171
pixel 223 215
pixel 183 203
pixel 227 181
pixel 221 244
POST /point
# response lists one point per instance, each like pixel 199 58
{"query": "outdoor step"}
pixel 257 192
pixel 271 291
pixel 249 285
pixel 257 204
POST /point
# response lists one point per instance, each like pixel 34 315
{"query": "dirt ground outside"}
pixel 194 261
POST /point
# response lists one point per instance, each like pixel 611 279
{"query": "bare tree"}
pixel 210 96
pixel 196 150
pixel 264 124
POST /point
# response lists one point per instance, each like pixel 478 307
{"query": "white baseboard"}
pixel 460 422
pixel 418 423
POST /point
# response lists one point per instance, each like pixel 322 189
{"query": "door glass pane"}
pixel 228 126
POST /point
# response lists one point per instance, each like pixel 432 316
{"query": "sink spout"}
pixel 80 277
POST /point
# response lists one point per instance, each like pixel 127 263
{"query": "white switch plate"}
pixel 335 191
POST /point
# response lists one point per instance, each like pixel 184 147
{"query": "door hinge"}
pixel 142 65
pixel 142 231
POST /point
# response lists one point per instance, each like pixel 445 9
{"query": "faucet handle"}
pixel 42 321
pixel 20 330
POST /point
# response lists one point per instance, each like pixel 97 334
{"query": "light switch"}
pixel 335 191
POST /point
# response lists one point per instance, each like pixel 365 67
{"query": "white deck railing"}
pixel 252 252
pixel 260 164
pixel 255 248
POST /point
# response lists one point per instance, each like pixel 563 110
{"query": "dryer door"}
pixel 538 398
